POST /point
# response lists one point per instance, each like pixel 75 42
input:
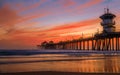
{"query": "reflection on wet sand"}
pixel 63 63
pixel 109 64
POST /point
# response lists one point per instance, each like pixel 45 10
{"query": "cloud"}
pixel 31 17
pixel 68 3
pixel 75 25
pixel 55 32
pixel 89 4
pixel 32 6
pixel 81 7
pixel 11 17
pixel 8 16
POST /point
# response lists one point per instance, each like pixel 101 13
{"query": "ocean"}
pixel 12 61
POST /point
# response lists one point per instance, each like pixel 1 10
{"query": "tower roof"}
pixel 107 15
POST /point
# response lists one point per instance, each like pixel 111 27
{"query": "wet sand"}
pixel 57 73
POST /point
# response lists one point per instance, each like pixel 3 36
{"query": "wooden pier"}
pixel 100 42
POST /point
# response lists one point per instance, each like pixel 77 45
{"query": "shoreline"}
pixel 57 73
pixel 69 52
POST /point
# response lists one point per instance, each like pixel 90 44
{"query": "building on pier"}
pixel 46 45
pixel 108 21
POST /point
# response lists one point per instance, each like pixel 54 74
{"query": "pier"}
pixel 108 40
pixel 99 42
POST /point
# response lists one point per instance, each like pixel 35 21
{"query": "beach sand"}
pixel 57 73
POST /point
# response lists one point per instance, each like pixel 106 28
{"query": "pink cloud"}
pixel 68 3
pixel 89 3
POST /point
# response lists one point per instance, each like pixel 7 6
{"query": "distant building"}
pixel 46 45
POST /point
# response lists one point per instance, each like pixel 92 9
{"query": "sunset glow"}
pixel 26 23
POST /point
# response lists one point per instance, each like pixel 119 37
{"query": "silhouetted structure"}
pixel 47 45
pixel 107 40
pixel 107 22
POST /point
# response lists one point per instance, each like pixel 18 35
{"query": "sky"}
pixel 26 23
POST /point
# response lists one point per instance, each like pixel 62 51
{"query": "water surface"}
pixel 65 61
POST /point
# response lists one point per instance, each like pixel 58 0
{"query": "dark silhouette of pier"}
pixel 98 42
pixel 107 40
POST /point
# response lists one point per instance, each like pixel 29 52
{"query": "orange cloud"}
pixel 75 25
pixel 89 3
pixel 63 28
pixel 31 17
pixel 83 6
pixel 8 16
pixel 8 19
